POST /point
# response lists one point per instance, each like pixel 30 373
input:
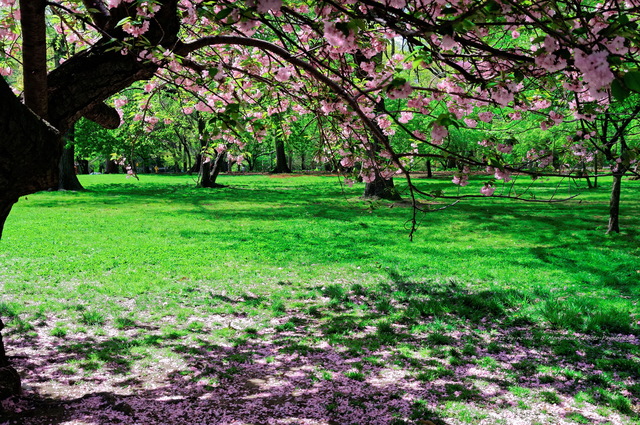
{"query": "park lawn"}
pixel 292 298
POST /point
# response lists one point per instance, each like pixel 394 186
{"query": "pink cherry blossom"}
pixel 461 180
pixel 487 190
pixel 136 30
pixel 400 92
pixel 405 117
pixel 282 74
pixel 486 116
pixel 504 148
pixel 502 175
pixel 264 6
pixel 595 69
pixel 471 123
pixel 438 133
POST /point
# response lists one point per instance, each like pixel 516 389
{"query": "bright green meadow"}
pixel 480 280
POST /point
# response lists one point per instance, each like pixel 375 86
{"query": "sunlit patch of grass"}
pixel 550 397
pixel 355 375
pixel 92 318
pixel 464 413
pixel 578 418
pixel 60 330
pixel 428 375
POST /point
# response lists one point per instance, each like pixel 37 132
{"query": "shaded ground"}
pixel 402 354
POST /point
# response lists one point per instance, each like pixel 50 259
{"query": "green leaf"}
pixel 397 82
pixel 123 21
pixel 632 80
pixel 623 19
pixel 619 91
pixel 580 31
pixel 232 108
pixel 343 27
pixel 538 39
pixel 224 13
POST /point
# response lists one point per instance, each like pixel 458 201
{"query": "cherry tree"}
pixel 490 62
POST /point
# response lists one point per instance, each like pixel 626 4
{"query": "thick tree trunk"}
pixel 215 170
pixel 29 154
pixel 281 159
pixel 429 172
pixel 614 204
pixel 68 178
pixel 110 167
pixel 9 378
pixel 205 175
pixel 381 188
pixel 34 55
pixel 211 171
pixel 83 166
pixel 195 168
pixel 68 173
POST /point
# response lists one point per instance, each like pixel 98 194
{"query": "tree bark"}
pixel 281 159
pixel 34 55
pixel 29 152
pixel 429 172
pixel 68 176
pixel 381 188
pixel 110 167
pixel 9 378
pixel 614 204
pixel 205 175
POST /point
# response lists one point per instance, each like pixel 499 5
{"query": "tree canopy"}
pixel 378 71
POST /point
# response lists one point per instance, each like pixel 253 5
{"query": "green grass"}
pixel 159 234
pixel 309 260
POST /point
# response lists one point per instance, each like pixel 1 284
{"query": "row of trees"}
pixel 462 69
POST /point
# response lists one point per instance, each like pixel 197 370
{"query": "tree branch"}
pixel 34 55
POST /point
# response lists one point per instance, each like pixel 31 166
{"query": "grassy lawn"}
pixel 289 300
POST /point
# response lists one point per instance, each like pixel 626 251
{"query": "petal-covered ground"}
pixel 350 358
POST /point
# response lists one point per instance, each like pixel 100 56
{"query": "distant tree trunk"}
pixel 68 177
pixel 381 188
pixel 585 173
pixel 205 174
pixel 83 166
pixel 595 170
pixel 614 203
pixel 110 167
pixel 281 159
pixel 429 172
pixel 195 168
pixel 218 165
pixel 252 162
pixel 210 171
pixel 303 157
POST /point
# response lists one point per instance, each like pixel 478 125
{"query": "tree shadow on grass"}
pixel 399 353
